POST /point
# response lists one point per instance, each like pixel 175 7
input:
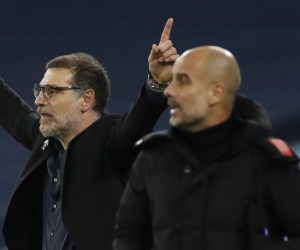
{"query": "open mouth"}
pixel 173 108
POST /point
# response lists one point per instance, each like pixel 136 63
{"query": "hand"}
pixel 162 56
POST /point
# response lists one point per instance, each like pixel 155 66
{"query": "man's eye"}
pixel 183 80
pixel 53 90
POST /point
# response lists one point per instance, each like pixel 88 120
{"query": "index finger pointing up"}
pixel 165 35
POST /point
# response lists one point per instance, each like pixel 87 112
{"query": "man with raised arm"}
pixel 67 195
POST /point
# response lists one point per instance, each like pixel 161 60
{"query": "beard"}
pixel 187 122
pixel 61 127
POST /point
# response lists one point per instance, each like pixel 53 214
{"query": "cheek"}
pixel 200 105
pixel 66 108
pixel 60 113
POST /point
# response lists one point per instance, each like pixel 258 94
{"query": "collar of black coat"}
pixel 251 111
pixel 207 144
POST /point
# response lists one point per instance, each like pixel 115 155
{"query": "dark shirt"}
pixel 55 236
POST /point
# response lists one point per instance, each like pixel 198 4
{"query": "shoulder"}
pixel 279 150
pixel 107 120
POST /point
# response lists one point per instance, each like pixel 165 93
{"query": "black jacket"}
pixel 96 161
pixel 247 198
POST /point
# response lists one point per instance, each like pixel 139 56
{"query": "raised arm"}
pixel 163 55
pixel 148 106
pixel 17 117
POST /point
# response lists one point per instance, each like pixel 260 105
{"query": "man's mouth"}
pixel 45 117
pixel 174 107
pixel 44 114
pixel 173 111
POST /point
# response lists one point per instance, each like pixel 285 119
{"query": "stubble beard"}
pixel 61 127
pixel 186 123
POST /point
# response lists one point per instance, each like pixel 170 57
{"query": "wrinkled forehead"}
pixel 57 76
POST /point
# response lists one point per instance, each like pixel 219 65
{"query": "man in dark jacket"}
pixel 216 180
pixel 67 195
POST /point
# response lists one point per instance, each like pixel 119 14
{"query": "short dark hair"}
pixel 88 73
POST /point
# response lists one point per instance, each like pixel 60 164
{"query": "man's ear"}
pixel 217 92
pixel 88 103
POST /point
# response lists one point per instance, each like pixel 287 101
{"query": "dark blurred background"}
pixel 263 35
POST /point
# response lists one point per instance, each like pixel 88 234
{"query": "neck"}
pixel 87 120
pixel 217 116
pixel 208 143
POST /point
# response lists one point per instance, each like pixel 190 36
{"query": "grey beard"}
pixel 55 131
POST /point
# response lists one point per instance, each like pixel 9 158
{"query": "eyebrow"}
pixel 182 76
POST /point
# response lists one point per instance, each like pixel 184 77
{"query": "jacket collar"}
pixel 42 149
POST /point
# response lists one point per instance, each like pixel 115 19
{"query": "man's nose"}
pixel 168 90
pixel 40 99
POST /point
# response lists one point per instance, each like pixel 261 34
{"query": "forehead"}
pixel 188 66
pixel 57 76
